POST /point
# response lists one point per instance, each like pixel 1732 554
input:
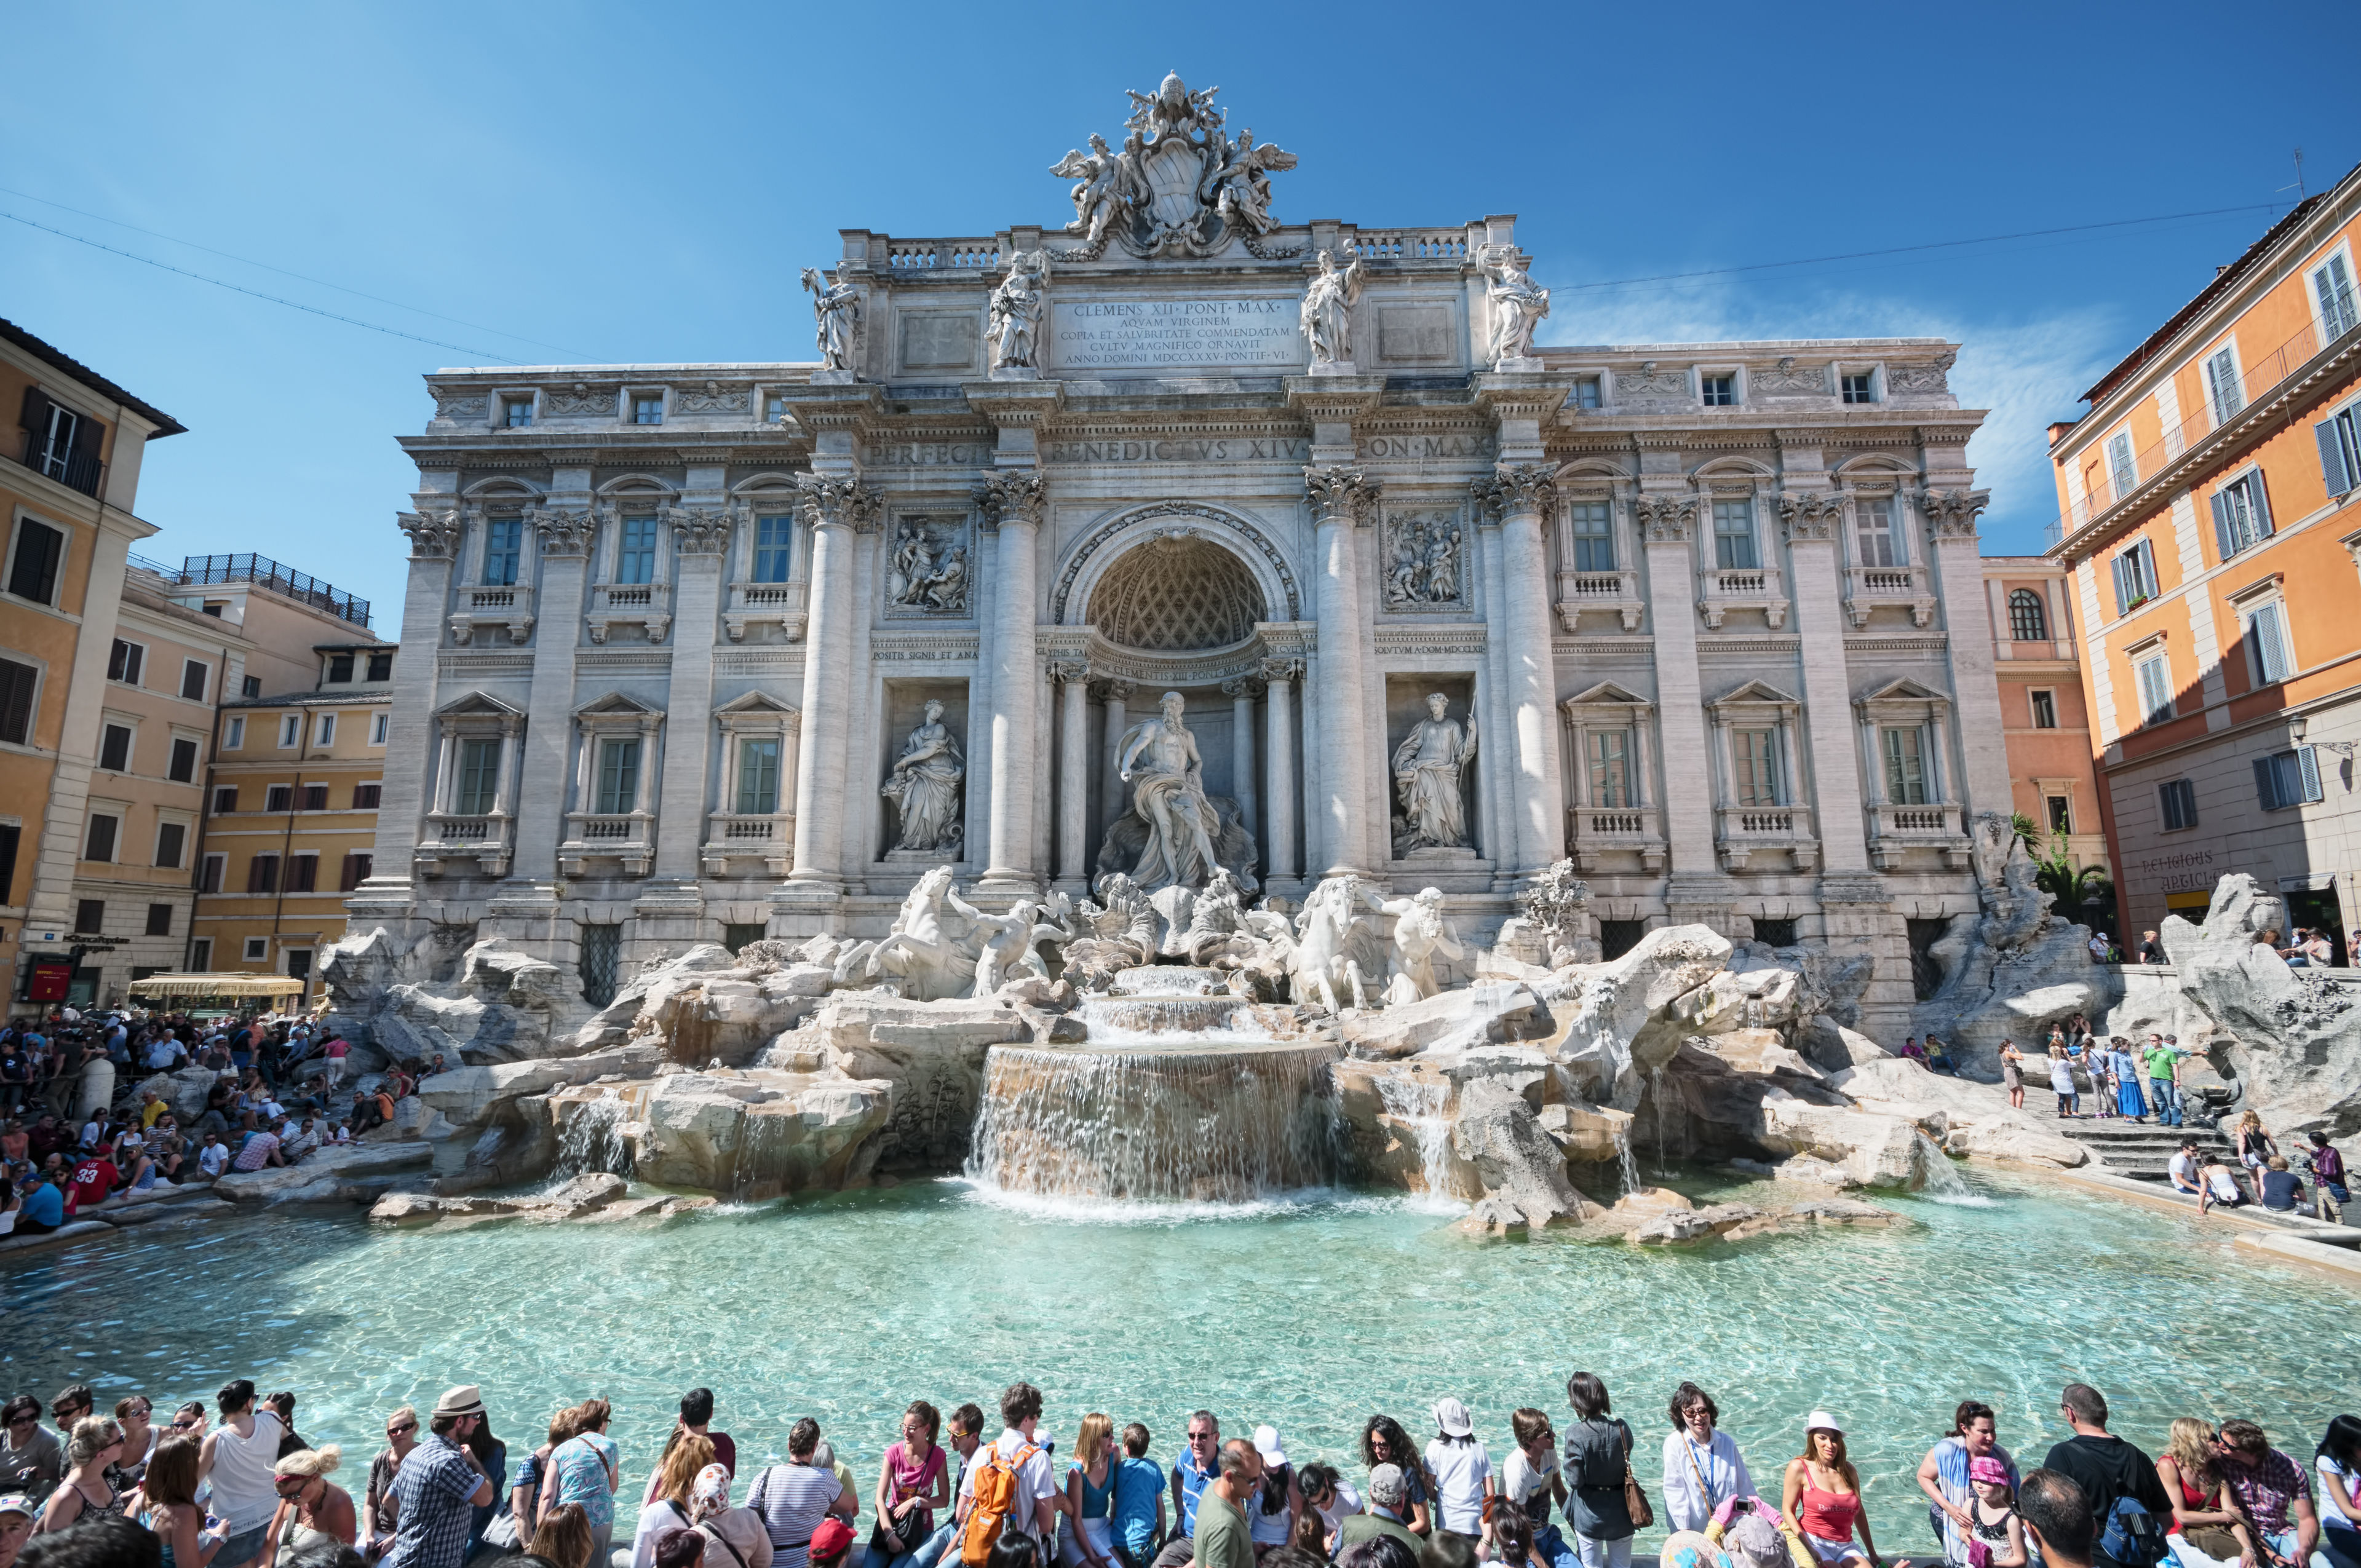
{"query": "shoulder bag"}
pixel 1635 1497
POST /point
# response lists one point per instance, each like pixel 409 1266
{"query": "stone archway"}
pixel 1175 593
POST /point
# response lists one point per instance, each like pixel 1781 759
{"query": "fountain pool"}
pixel 1308 1313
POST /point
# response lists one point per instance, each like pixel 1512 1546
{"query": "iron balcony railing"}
pixel 75 470
pixel 263 572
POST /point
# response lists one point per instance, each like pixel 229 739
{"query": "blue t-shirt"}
pixel 1138 1484
pixel 45 1205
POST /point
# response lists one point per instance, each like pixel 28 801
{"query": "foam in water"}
pixel 1940 1179
pixel 1419 1105
pixel 593 1139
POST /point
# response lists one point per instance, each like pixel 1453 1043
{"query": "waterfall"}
pixel 1419 1105
pixel 593 1139
pixel 1624 1161
pixel 1223 1122
pixel 1938 1179
pixel 754 1165
pixel 1656 1102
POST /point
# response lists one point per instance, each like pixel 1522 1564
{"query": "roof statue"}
pixel 1179 186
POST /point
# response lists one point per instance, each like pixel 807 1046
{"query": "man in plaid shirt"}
pixel 439 1487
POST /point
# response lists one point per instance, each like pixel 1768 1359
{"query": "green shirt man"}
pixel 1223 1540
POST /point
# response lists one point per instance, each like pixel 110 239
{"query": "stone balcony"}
pixel 453 835
pixel 508 605
pixel 647 604
pixel 625 836
pixel 1896 830
pixel 1723 590
pixel 1594 832
pixel 1747 831
pixel 1866 587
pixel 1600 592
pixel 751 603
pixel 734 838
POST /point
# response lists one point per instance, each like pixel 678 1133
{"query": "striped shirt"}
pixel 792 1499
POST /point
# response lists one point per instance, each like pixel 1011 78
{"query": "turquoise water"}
pixel 1310 1316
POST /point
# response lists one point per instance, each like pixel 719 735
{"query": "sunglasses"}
pixel 397 1432
pixel 24 1420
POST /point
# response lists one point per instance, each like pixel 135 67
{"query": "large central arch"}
pixel 1096 559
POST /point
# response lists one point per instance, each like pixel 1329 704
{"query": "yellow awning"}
pixel 216 985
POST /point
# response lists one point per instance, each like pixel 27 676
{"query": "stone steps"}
pixel 2141 1150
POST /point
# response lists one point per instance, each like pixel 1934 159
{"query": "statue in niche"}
pixel 927 569
pixel 1426 569
pixel 925 784
pixel 1157 757
pixel 1328 310
pixel 1519 304
pixel 837 312
pixel 1017 307
pixel 1427 768
pixel 1422 934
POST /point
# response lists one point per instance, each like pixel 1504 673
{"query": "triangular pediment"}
pixel 1755 692
pixel 1902 689
pixel 478 704
pixel 1607 692
pixel 614 704
pixel 757 702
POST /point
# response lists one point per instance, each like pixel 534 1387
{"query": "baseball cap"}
pixel 1267 1444
pixel 831 1538
pixel 17 1503
pixel 1386 1485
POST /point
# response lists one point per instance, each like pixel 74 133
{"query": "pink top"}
pixel 913 1480
pixel 337 1046
pixel 1828 1515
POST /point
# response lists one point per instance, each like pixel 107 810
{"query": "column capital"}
pixel 1244 686
pixel 1280 671
pixel 1951 514
pixel 1666 519
pixel 837 503
pixel 1341 492
pixel 698 531
pixel 1017 497
pixel 1809 514
pixel 434 536
pixel 1069 672
pixel 564 532
pixel 1515 490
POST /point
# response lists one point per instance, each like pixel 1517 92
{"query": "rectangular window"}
pixel 1757 753
pixel 354 872
pixel 262 874
pixel 340 669
pixel 1733 535
pixel 735 935
pixel 479 778
pixel 2221 387
pixel 316 797
pixel 1718 392
pixel 159 920
pixel 2062 814
pixel 602 956
pixel 33 575
pixel 2287 778
pixel 775 410
pixel 2242 514
pixel 1594 535
pixel 2179 799
pixel 2340 450
pixel 503 549
pixel 2154 690
pixel 2266 644
pixel 2134 577
pixel 2045 710
pixel 380 666
pixel 10 836
pixel 90 916
pixel 302 872
pixel 182 768
pixel 619 777
pixel 225 800
pixel 2331 286
pixel 258 949
pixel 99 843
pixel 1586 391
pixel 290 729
pixel 2120 471
pixel 647 408
pixel 171 842
pixel 366 796
pixel 378 725
pixel 114 748
pixel 758 777
pixel 1860 389
pixel 56 440
pixel 209 878
pixel 16 684
pixel 1905 767
pixel 774 543
pixel 278 798
pixel 1881 544
pixel 1610 769
pixel 201 955
pixel 519 413
pixel 250 687
pixel 635 553
pixel 234 735
pixel 324 730
pixel 192 680
pixel 123 662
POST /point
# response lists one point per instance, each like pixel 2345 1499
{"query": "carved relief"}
pixel 1789 378
pixel 1425 561
pixel 713 398
pixel 1648 381
pixel 456 402
pixel 1666 519
pixel 1930 378
pixel 926 569
pixel 581 398
pixel 1810 516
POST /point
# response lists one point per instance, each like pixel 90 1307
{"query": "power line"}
pixel 1935 245
pixel 259 294
pixel 298 276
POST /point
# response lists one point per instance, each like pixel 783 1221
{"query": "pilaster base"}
pixel 1701 901
pixel 1002 883
pixel 667 918
pixel 807 909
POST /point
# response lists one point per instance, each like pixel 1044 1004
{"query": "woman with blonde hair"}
pixel 587 1470
pixel 1085 1531
pixel 1822 1496
pixel 174 1515
pixel 94 1445
pixel 2206 1529
pixel 564 1538
pixel 668 1509
pixel 2256 1147
pixel 315 1515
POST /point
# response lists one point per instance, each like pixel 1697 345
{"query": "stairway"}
pixel 2143 1150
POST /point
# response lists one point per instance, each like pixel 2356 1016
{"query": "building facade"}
pixel 2045 720
pixel 2206 516
pixel 696 651
pixel 69 488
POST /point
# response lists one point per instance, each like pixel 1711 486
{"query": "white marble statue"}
pixel 1179 186
pixel 1240 188
pixel 1158 758
pixel 925 784
pixel 1427 769
pixel 1010 942
pixel 837 312
pixel 1422 934
pixel 1101 187
pixel 1325 966
pixel 1017 307
pixel 933 946
pixel 1519 304
pixel 1328 310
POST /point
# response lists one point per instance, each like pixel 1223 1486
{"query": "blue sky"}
pixel 643 183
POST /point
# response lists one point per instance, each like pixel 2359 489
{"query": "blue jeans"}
pixel 876 1557
pixel 1554 1549
pixel 2167 1100
pixel 242 1548
pixel 930 1551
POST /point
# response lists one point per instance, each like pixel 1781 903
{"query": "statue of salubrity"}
pixel 1327 319
pixel 1428 766
pixel 925 784
pixel 836 315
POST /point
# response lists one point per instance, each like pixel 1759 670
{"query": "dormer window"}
pixel 340 669
pixel 647 408
pixel 1860 388
pixel 380 666
pixel 1718 392
pixel 518 413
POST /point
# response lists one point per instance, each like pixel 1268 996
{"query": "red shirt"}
pixel 93 1178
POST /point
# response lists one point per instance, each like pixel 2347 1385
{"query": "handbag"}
pixel 1635 1498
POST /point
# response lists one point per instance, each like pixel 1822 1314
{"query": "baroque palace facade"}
pixel 710 652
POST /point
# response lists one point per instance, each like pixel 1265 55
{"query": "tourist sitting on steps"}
pixel 2183 1168
pixel 1383 1442
pixel 2206 1528
pixel 2272 1491
pixel 2282 1188
pixel 1383 1516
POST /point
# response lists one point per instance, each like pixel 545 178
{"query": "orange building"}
pixel 2206 516
pixel 2045 721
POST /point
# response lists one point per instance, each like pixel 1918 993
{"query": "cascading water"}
pixel 1419 1105
pixel 593 1139
pixel 1938 1179
pixel 1624 1161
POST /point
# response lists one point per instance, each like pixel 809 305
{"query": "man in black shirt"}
pixel 2105 1467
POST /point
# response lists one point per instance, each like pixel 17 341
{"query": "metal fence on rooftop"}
pixel 263 572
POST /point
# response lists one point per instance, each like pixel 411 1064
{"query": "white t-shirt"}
pixel 1033 1482
pixel 1342 1507
pixel 2330 1514
pixel 245 1489
pixel 214 1158
pixel 2183 1168
pixel 1521 1478
pixel 1460 1471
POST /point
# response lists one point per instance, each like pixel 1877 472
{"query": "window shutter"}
pixel 2265 791
pixel 2310 762
pixel 86 442
pixel 35 416
pixel 2225 537
pixel 2123 595
pixel 2332 457
pixel 2259 498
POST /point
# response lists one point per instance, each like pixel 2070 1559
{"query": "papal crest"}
pixel 1180 186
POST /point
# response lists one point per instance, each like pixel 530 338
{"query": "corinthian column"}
pixel 1278 750
pixel 1341 499
pixel 1012 505
pixel 833 508
pixel 1073 774
pixel 700 536
pixel 1520 494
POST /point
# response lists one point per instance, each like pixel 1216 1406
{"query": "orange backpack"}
pixel 996 1499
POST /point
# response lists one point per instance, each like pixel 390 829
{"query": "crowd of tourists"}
pixel 237 1486
pixel 77 1130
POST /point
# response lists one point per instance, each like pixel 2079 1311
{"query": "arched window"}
pixel 2027 622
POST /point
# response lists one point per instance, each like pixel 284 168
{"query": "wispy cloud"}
pixel 2027 373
